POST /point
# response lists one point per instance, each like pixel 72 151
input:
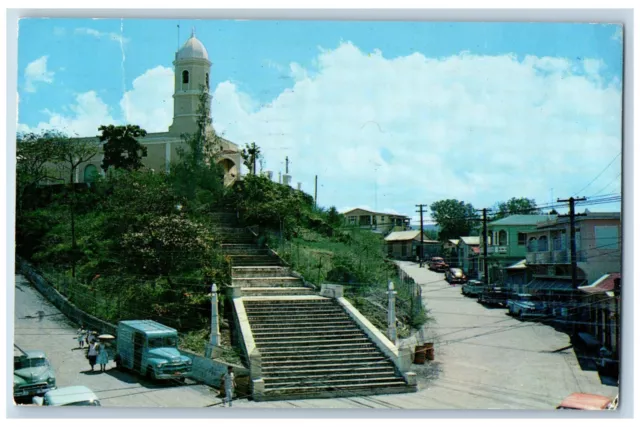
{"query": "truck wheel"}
pixel 149 374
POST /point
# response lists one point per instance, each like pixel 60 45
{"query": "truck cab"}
pixel 151 349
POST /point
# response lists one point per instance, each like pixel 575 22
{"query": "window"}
pixel 543 244
pixel 502 238
pixel 207 80
pixel 607 237
pixel 185 77
pixel 352 220
pixel 522 239
pixel 162 342
pixel 533 245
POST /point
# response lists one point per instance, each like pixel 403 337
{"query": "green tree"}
pixel 122 149
pixel 197 176
pixel 515 206
pixel 454 218
pixel 35 154
pixel 250 154
pixel 71 153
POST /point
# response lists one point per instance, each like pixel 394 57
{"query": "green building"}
pixel 507 244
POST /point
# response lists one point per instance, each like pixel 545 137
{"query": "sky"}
pixel 387 114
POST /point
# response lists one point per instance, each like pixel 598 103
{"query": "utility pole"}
pixel 315 194
pixel 286 160
pixel 572 222
pixel 421 206
pixel 484 246
pixel 392 332
pixel 214 339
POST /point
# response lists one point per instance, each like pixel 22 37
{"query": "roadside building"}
pixel 405 245
pixel 376 221
pixel 599 321
pixel 507 243
pixel 517 276
pixel 468 251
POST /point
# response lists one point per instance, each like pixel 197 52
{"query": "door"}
pixel 138 349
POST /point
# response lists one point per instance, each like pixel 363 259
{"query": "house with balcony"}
pixel 507 244
pixel 468 251
pixel 380 222
pixel 598 251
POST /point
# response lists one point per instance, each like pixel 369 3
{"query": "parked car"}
pixel 455 275
pixel 589 402
pixel 32 374
pixel 151 349
pixel 68 396
pixel 438 264
pixel 526 305
pixel 473 288
pixel 493 295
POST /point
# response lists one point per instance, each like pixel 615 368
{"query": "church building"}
pixel 191 71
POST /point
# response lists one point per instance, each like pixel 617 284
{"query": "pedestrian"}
pixel 81 336
pixel 229 381
pixel 90 336
pixel 92 353
pixel 103 357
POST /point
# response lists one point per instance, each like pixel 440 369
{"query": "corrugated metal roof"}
pixel 470 240
pixel 523 219
pixel 604 284
pixel 454 241
pixel 402 235
pixel 374 213
pixel 520 265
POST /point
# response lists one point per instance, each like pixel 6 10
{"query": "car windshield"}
pixel 437 260
pixel 163 342
pixel 456 271
pixel 84 403
pixel 30 363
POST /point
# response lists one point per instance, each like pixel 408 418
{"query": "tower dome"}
pixel 193 48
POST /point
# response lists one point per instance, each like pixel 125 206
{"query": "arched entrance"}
pixel 90 173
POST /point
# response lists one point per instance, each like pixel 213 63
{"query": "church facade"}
pixel 191 72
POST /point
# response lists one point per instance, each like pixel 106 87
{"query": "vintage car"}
pixel 455 275
pixel 589 402
pixel 493 295
pixel 32 374
pixel 68 396
pixel 438 264
pixel 526 305
pixel 151 349
pixel 473 288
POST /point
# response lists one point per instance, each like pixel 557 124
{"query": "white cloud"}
pixel 475 128
pixel 150 104
pixel 617 34
pixel 87 114
pixel 37 71
pixel 101 35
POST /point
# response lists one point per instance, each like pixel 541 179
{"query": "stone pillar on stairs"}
pixel 213 348
pixel 392 332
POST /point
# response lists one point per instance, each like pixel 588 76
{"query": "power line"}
pixel 597 176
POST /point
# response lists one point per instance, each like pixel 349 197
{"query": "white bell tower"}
pixel 192 68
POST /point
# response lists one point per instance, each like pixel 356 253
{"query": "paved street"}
pixel 56 337
pixel 484 360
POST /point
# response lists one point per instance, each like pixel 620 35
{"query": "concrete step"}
pixel 284 329
pixel 266 281
pixel 327 358
pixel 336 390
pixel 325 368
pixel 230 246
pixel 223 229
pixel 296 316
pixel 336 333
pixel 252 251
pixel 286 290
pixel 259 271
pixel 324 379
pixel 307 341
pixel 292 350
